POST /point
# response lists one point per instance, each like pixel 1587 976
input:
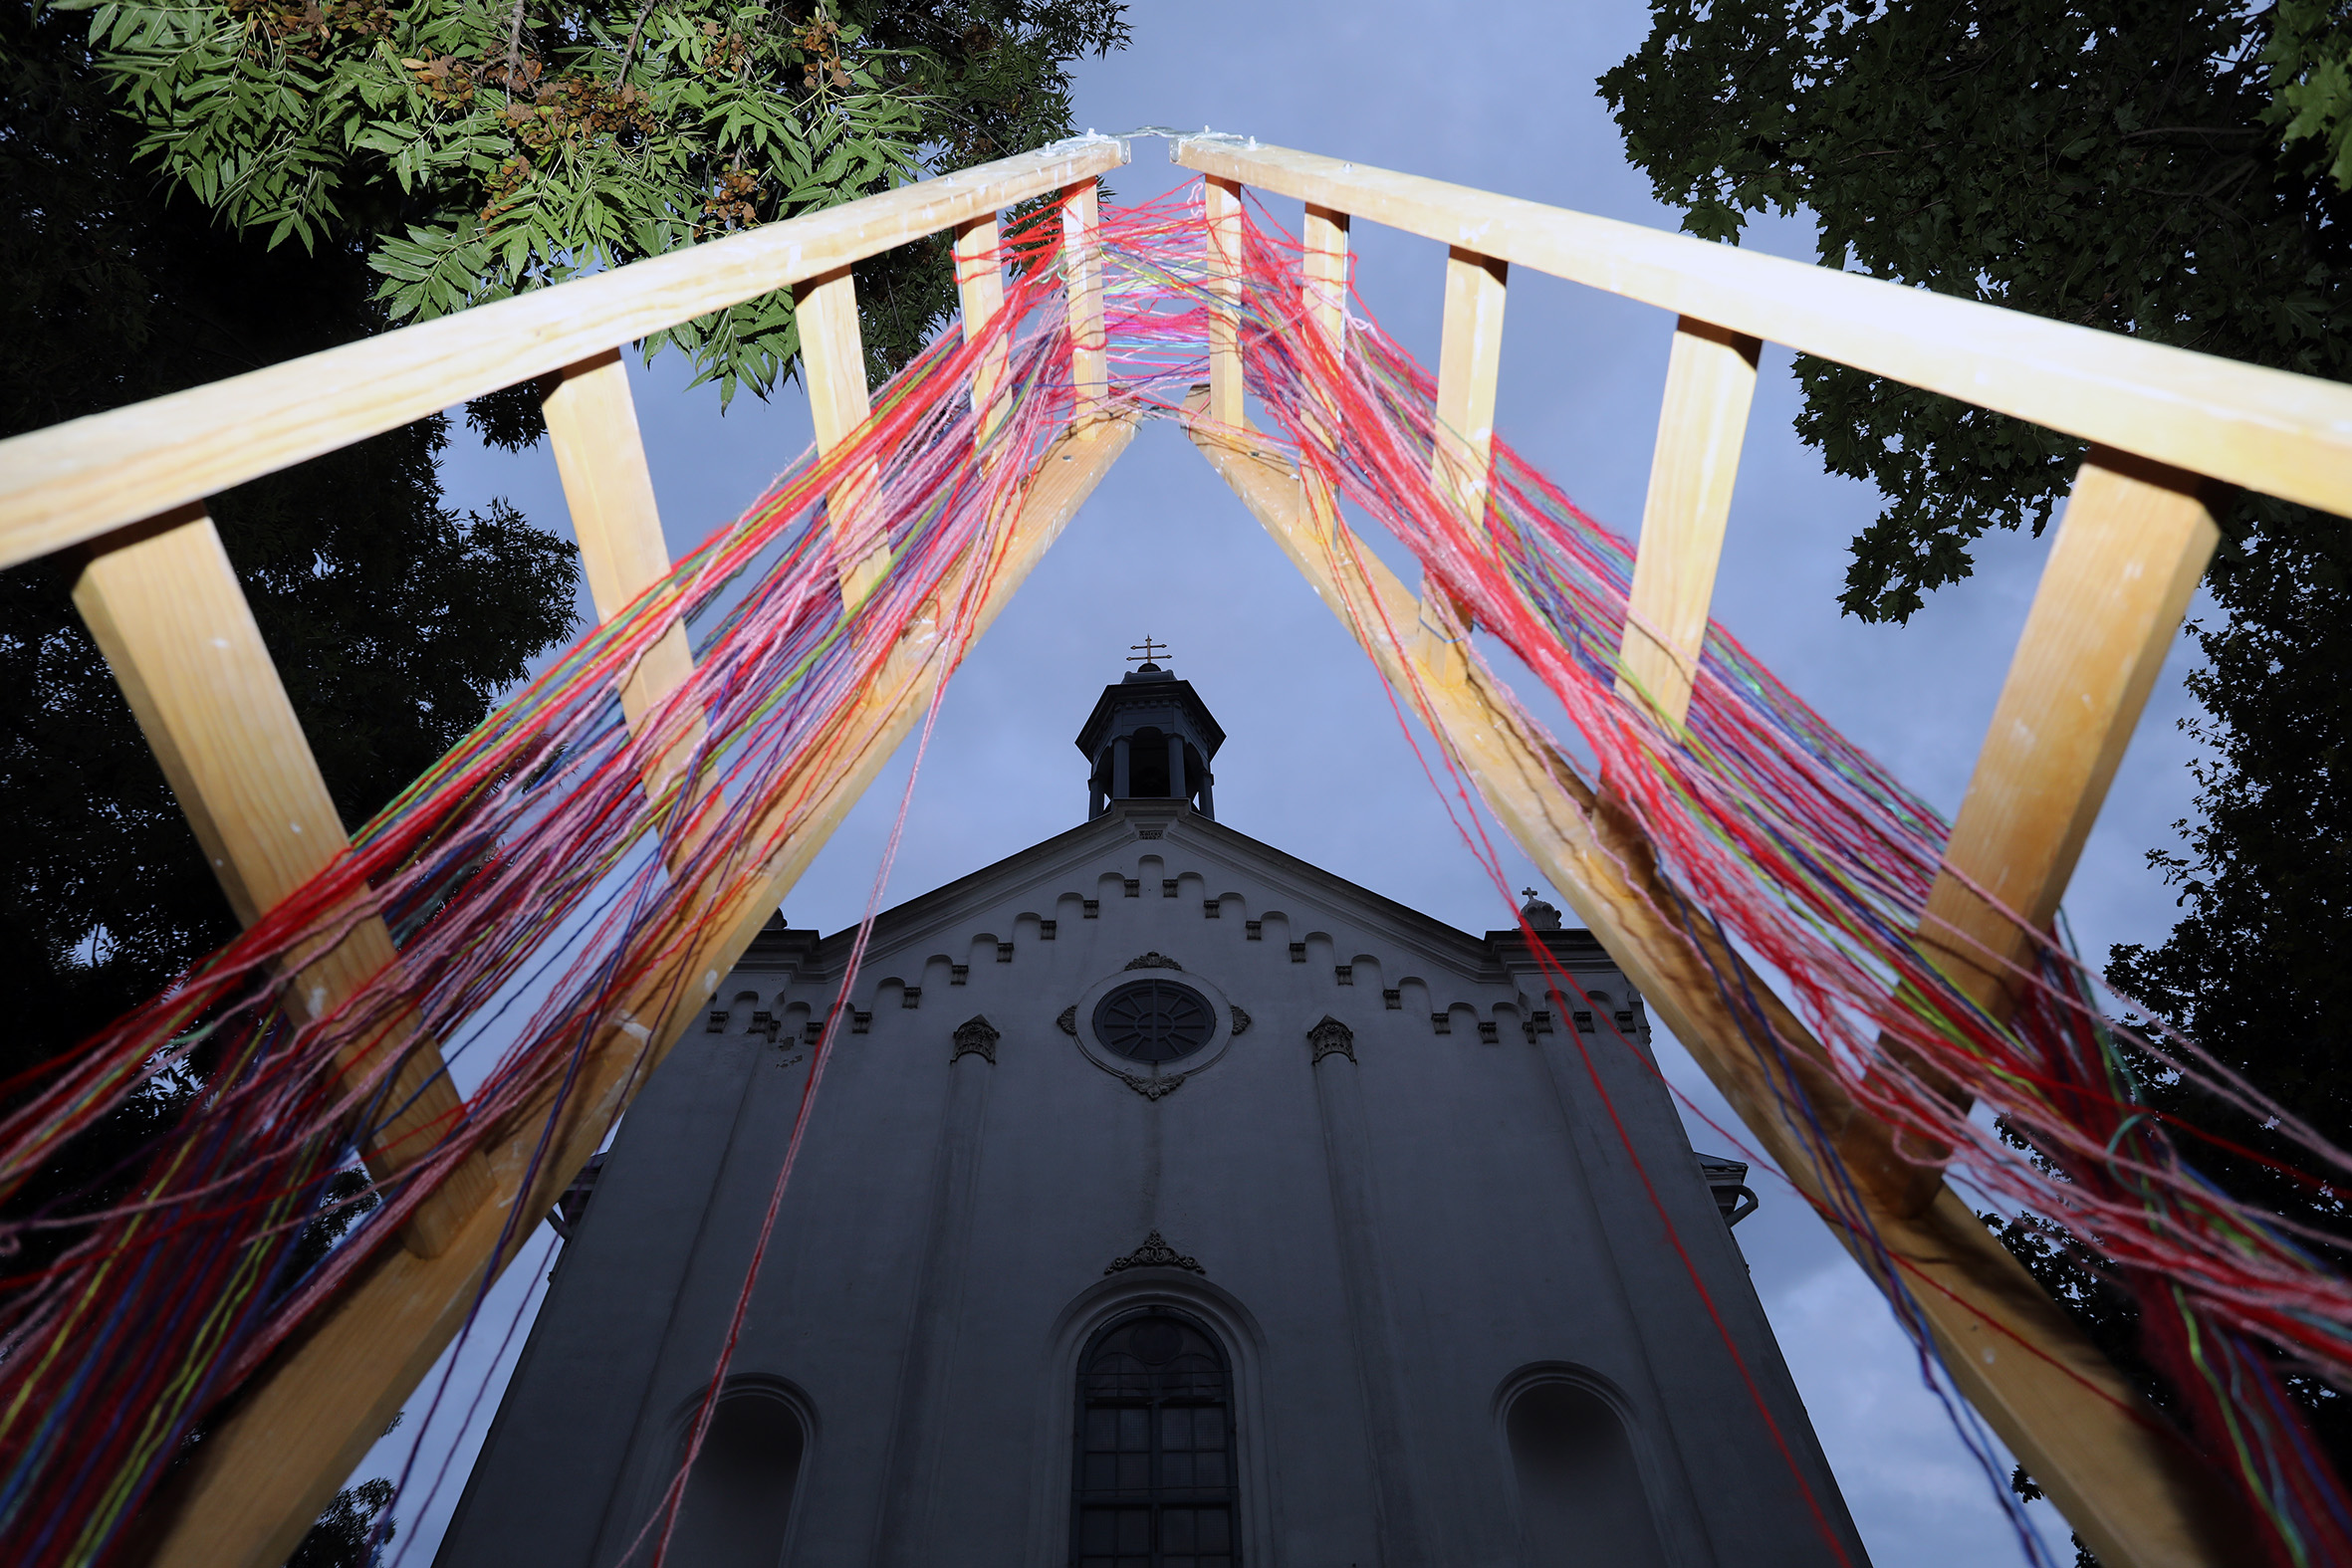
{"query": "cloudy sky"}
pixel 1500 98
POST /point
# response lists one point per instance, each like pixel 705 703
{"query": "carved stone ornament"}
pixel 1069 1021
pixel 1155 1253
pixel 1156 960
pixel 976 1035
pixel 1149 832
pixel 1332 1035
pixel 1241 1021
pixel 1154 1088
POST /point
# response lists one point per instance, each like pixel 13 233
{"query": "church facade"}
pixel 1168 1203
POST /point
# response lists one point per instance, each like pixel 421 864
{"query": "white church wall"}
pixel 1386 1235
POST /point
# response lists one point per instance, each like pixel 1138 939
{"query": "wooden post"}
pixel 980 283
pixel 165 607
pixel 600 455
pixel 1082 247
pixel 832 360
pixel 1710 381
pixel 1325 291
pixel 1469 364
pixel 1227 383
pixel 2140 1496
pixel 274 1459
pixel 1323 298
pixel 2134 540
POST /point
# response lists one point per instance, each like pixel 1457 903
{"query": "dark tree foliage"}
pixel 2134 165
pixel 2106 163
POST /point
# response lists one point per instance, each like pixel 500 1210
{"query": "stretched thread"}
pixel 537 896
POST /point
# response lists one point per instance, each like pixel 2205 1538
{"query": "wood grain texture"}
pixel 1461 463
pixel 833 364
pixel 1222 201
pixel 1710 382
pixel 979 288
pixel 73 481
pixel 1324 289
pixel 1081 244
pixel 2138 1496
pixel 600 456
pixel 166 608
pixel 301 1423
pixel 2283 434
pixel 2133 543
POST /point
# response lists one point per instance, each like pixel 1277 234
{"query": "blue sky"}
pixel 1501 99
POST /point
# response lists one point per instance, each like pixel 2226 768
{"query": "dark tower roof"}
pixel 1150 697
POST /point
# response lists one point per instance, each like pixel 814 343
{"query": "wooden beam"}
pixel 167 610
pixel 1228 383
pixel 1325 289
pixel 1710 381
pixel 980 285
pixel 1081 244
pixel 2133 544
pixel 2283 434
pixel 600 455
pixel 2139 1496
pixel 832 363
pixel 301 1424
pixel 75 481
pixel 1462 454
pixel 1323 298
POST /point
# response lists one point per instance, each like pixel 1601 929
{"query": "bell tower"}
pixel 1150 738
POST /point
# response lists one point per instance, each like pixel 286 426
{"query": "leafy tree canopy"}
pixel 2111 162
pixel 479 148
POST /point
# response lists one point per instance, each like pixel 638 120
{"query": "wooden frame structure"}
pixel 127 488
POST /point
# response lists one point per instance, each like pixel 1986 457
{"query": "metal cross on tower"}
pixel 1146 650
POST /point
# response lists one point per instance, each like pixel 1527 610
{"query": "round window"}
pixel 1153 1020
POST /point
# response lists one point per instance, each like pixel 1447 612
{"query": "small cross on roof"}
pixel 1146 650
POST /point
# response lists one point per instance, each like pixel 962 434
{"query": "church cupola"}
pixel 1150 738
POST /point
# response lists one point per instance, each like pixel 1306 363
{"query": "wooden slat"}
pixel 1326 290
pixel 1082 243
pixel 2285 435
pixel 1470 366
pixel 2140 1498
pixel 2134 540
pixel 1227 384
pixel 1710 381
pixel 600 455
pixel 167 610
pixel 1323 298
pixel 832 363
pixel 980 285
pixel 77 480
pixel 297 1429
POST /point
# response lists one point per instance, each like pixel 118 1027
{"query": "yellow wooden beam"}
pixel 1081 244
pixel 980 285
pixel 1710 381
pixel 1227 383
pixel 600 455
pixel 2136 1493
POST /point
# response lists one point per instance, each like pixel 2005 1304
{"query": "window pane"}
pixel 1153 1484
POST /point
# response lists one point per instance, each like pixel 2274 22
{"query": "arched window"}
pixel 1155 1459
pixel 1580 1498
pixel 739 1497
